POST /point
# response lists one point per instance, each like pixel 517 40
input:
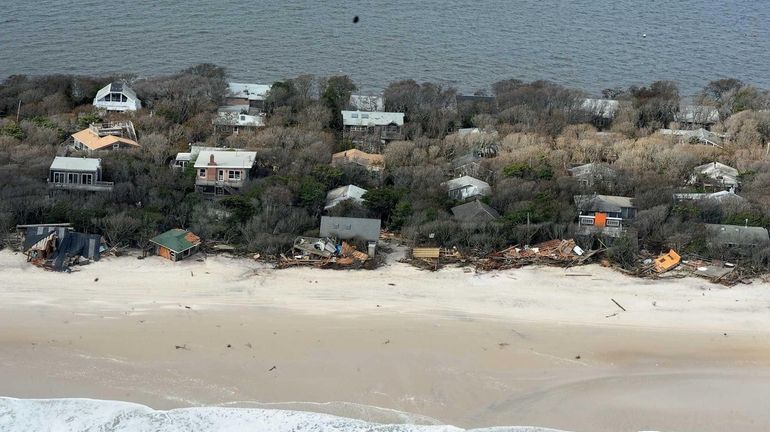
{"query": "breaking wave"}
pixel 82 415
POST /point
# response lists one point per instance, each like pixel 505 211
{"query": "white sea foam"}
pixel 86 415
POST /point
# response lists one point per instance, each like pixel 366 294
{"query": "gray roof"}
pixel 75 164
pixel 591 169
pixel 603 203
pixel 475 211
pixel 248 91
pixel 701 114
pixel 342 193
pixel 605 108
pixel 345 228
pixel 701 135
pixel 738 235
pixel 373 118
pixel 465 159
pixel 366 103
pixel 226 159
pixel 464 181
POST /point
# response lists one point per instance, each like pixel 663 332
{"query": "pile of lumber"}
pixel 552 252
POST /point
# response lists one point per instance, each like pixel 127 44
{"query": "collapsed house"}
pixel 56 247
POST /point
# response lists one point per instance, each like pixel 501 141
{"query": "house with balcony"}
pixel 106 137
pixel 117 96
pixel 223 172
pixel 604 214
pixel 77 174
pixel 370 131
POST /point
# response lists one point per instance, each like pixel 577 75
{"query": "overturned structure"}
pixel 57 248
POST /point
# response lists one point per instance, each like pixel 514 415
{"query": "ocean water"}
pixel 81 415
pixel 587 44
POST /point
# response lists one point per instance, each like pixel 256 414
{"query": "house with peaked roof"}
pixel 465 187
pixel 77 174
pixel 223 172
pixel 607 214
pixel 106 137
pixel 697 116
pixel 344 193
pixel 697 136
pixel 600 112
pixel 176 244
pixel 591 175
pixel 117 96
pixel 372 162
pixel 370 131
pixel 475 211
pixel 252 96
pixel 716 175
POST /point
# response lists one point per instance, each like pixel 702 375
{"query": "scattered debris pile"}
pixel 323 252
pixel 433 258
pixel 553 252
pixel 60 247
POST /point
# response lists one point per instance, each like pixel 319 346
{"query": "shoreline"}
pixel 526 346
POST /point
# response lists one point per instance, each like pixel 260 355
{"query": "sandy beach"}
pixel 534 346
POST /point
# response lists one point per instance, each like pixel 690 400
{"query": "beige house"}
pixel 105 136
pixel 372 162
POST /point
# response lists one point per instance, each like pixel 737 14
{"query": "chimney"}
pixel 211 159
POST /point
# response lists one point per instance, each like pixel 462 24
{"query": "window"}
pixel 354 115
pixel 364 116
pixel 219 191
pixel 586 221
pixel 221 175
pixel 87 179
pixel 123 98
pixel 243 118
pixel 58 177
pixel 73 178
pixel 612 223
pixel 234 175
pixel 202 172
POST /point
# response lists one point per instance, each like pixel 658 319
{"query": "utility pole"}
pixel 18 111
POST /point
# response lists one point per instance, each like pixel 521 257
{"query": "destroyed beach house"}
pixel 57 247
pixel 604 214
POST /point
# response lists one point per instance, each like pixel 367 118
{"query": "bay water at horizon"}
pixel 589 45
